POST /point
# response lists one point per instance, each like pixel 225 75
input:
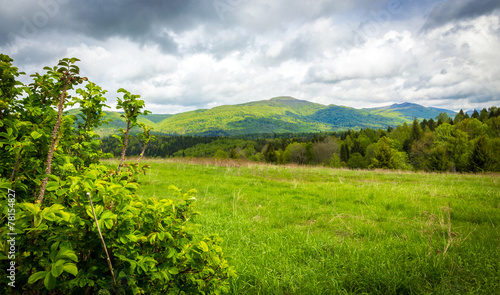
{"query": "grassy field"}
pixel 304 230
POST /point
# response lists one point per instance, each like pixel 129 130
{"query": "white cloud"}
pixel 270 48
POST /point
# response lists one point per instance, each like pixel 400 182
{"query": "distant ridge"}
pixel 282 114
pixel 411 110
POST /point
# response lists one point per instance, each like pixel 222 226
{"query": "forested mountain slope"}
pixel 277 115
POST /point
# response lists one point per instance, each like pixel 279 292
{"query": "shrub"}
pixel 51 172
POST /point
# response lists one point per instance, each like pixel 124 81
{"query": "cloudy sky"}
pixel 181 55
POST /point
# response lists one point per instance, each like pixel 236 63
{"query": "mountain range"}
pixel 276 115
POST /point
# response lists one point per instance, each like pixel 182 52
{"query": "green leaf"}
pixel 71 268
pixel 171 252
pixel 65 253
pixel 97 208
pixel 203 246
pixel 49 281
pixel 108 223
pixel 131 238
pixel 152 238
pixel 33 209
pixel 174 188
pixel 53 249
pixel 5 183
pixel 92 174
pixel 108 215
pixel 57 268
pixel 36 276
pixel 161 236
pixel 35 135
pixel 173 270
pixel 132 186
pixel 52 186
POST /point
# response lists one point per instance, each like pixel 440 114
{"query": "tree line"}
pixel 464 143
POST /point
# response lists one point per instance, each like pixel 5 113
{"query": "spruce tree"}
pixel 479 157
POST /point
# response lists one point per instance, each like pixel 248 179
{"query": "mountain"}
pixel 278 115
pixel 350 118
pixel 411 110
pixel 157 118
pixel 282 114
pixel 115 122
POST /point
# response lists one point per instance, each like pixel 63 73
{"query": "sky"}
pixel 182 55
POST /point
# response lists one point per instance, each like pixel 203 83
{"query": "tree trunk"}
pixel 48 168
pixel 124 149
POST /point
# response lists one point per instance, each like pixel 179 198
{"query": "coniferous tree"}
pixel 424 124
pixel 479 156
pixel 494 112
pixel 270 154
pixel 438 160
pixel 309 153
pixel 459 117
pixel 416 130
pixel 432 124
pixel 483 116
pixel 357 148
pixel 443 118
pixel 344 152
pixel 383 155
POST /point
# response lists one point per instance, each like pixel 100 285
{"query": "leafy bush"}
pixel 50 175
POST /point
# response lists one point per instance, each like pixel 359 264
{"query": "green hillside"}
pixel 340 117
pixel 410 111
pixel 282 114
pixel 115 122
pixel 156 118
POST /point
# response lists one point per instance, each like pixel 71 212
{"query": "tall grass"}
pixel 310 230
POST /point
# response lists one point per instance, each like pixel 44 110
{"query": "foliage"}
pixel 479 156
pixel 383 155
pixel 154 245
pixel 344 117
pixel 132 107
pixel 439 148
pixel 295 153
pixel 276 115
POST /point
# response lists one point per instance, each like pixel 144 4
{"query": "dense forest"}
pixel 465 143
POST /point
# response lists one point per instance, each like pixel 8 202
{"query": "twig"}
pixel 103 243
pixel 12 176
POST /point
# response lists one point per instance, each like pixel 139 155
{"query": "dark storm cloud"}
pixel 447 11
pixel 32 55
pixel 185 54
pixel 142 21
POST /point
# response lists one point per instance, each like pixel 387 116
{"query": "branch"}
pixel 12 176
pixel 60 107
pixel 103 244
pixel 125 144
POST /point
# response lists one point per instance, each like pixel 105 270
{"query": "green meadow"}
pixel 311 230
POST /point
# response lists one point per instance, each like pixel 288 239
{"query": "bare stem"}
pixel 12 176
pixel 142 153
pixel 124 148
pixel 103 243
